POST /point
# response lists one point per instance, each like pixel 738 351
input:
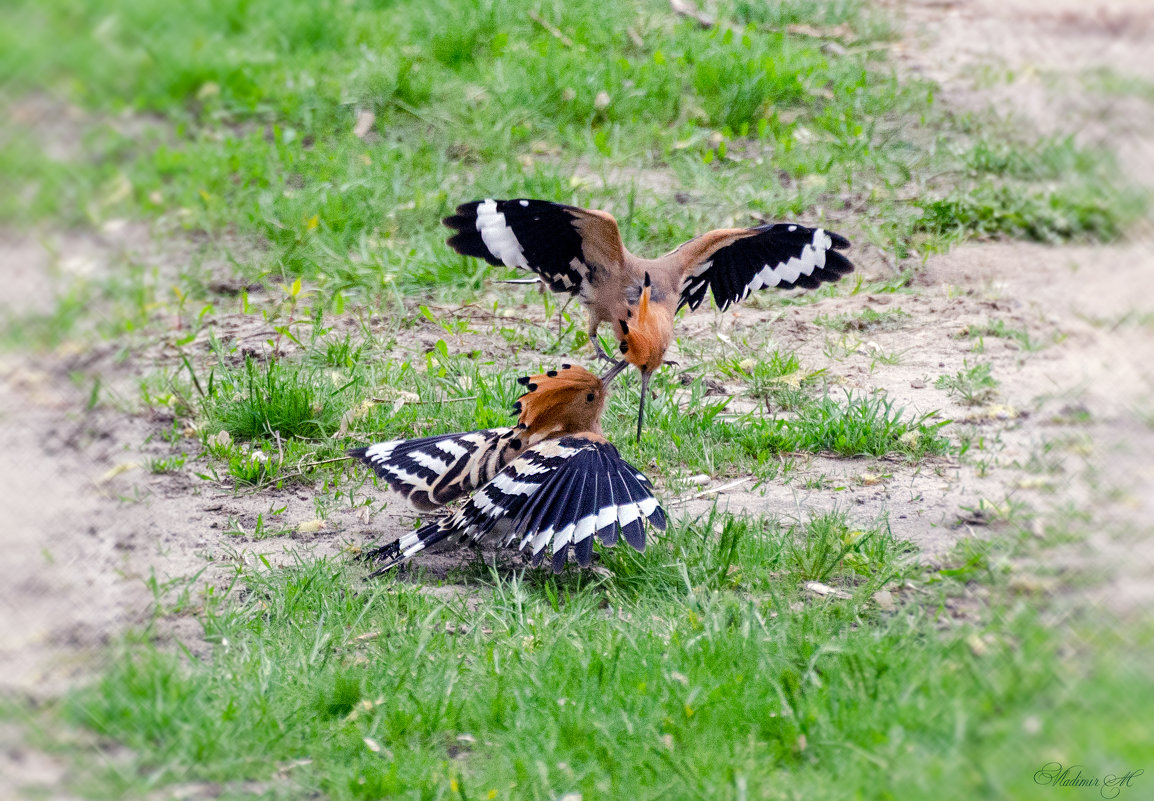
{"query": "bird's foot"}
pixel 599 352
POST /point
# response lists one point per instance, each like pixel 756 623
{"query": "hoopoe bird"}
pixel 550 483
pixel 580 252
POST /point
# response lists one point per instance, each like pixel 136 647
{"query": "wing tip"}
pixel 659 519
pixel 837 241
pixel 836 265
pixel 390 555
pixel 468 242
pixel 633 533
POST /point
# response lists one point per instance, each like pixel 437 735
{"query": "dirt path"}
pixel 90 528
pixel 1068 67
pixel 1062 66
pixel 1066 444
pixel 88 523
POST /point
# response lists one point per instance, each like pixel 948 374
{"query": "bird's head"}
pixel 565 401
pixel 645 337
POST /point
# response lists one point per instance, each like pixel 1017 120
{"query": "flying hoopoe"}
pixel 579 251
pixel 552 481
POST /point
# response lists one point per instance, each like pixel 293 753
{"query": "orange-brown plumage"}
pixel 559 402
pixel 580 252
pixel 552 483
pixel 646 337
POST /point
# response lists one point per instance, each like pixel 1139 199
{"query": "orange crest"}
pixel 565 401
pixel 647 336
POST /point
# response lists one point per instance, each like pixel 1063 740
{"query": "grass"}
pixel 1108 82
pixel 274 401
pixel 990 210
pixel 263 422
pixel 698 442
pixel 264 117
pixel 868 426
pixel 999 329
pixel 307 152
pixel 700 667
pixel 973 385
pixel 865 320
pixel 1046 158
pixel 777 380
pixel 266 423
pixel 249 124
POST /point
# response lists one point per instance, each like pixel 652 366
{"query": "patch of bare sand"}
pixel 1063 68
pixel 59 129
pixel 1052 66
pixel 28 770
pixel 38 266
pixel 88 525
pixel 1065 436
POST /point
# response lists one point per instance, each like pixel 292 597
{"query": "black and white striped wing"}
pixel 556 496
pixel 565 245
pixel 433 471
pixel 782 255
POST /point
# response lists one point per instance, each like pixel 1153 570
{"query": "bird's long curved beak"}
pixel 641 409
pixel 613 371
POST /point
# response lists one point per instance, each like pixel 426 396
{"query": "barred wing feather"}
pixel 781 255
pixel 433 471
pixel 552 499
pixel 565 245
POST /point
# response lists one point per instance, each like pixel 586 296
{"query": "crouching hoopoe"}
pixel 552 482
pixel 579 251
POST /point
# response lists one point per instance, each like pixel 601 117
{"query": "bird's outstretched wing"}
pixel 565 245
pixel 734 262
pixel 556 496
pixel 433 471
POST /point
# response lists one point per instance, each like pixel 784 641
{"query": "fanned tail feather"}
pixel 580 489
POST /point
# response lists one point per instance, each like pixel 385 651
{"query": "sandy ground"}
pixel 1069 434
pixel 1064 434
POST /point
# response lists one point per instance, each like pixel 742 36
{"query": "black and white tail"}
pixel 555 497
pixel 433 471
pixel 781 255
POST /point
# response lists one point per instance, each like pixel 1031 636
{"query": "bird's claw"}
pixel 600 352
